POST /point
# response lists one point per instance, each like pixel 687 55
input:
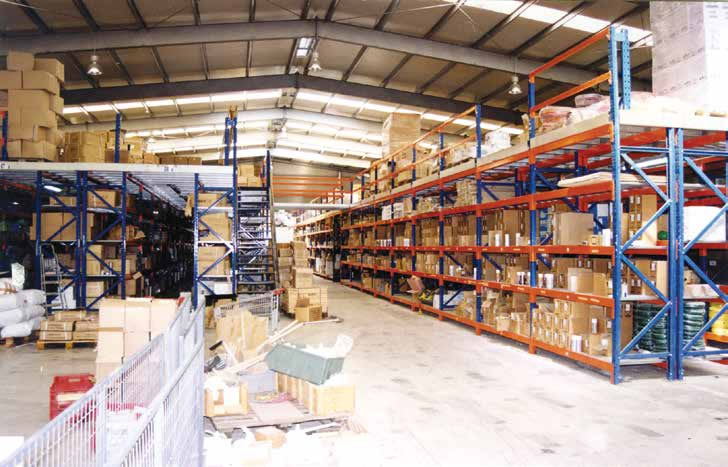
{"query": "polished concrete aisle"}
pixel 434 393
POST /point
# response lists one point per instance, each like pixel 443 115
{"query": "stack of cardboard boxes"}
pixel 249 176
pixel 71 325
pixel 126 326
pixel 180 160
pixel 29 92
pixel 320 399
pixel 398 130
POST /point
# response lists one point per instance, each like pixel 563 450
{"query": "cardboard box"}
pixel 62 326
pixel 161 313
pixel 599 344
pixel 90 336
pixel 112 313
pixel 86 325
pixel 52 66
pixel 137 315
pixel 302 277
pixel 572 228
pixel 41 80
pixel 20 61
pixel 134 342
pixel 110 345
pixel 69 315
pixel 56 335
pixel 228 401
pixel 11 79
pixel 309 313
pixel 211 252
pixel 104 369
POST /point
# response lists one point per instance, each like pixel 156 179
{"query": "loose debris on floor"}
pixel 270 402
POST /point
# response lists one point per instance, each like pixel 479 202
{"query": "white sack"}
pixel 11 301
pixel 33 296
pixel 10 317
pixel 22 329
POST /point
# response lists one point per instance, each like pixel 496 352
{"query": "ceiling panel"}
pixel 158 13
pixel 360 13
pixel 226 55
pixel 418 70
pixel 467 26
pixel 271 53
pixel 181 59
pixel 416 17
pixel 223 11
pixel 111 14
pixel 453 79
pixel 61 14
pixel 140 63
pixel 12 19
pixel 336 55
pixel 377 63
pixel 278 10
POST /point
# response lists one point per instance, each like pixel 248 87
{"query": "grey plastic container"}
pixel 263 381
pixel 294 361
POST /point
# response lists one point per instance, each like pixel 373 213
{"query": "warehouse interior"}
pixel 375 232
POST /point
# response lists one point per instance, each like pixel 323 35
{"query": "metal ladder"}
pixel 51 265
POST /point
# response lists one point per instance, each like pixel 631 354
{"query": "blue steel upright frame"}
pixel 228 194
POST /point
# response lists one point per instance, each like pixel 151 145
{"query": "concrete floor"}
pixel 434 393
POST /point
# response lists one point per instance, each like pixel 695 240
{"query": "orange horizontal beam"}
pixel 572 51
pixel 571 91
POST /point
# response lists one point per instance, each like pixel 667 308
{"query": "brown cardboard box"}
pixel 134 341
pixel 90 336
pixel 211 252
pixel 69 315
pixel 110 345
pixel 137 315
pixel 19 61
pixel 599 344
pixel 232 401
pixel 41 80
pixel 48 325
pixel 308 313
pixel 104 369
pixel 11 79
pixel 112 313
pixel 56 335
pixel 86 325
pixel 52 66
pixel 220 269
pixel 572 228
pixel 162 311
pixel 302 277
pixel 94 289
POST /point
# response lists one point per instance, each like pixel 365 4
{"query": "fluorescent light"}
pixel 511 131
pixel 144 133
pixel 235 96
pixel 488 126
pixel 435 117
pixel 52 188
pixel 276 93
pixel 464 121
pixel 324 130
pixel 194 100
pixel 98 108
pixel 173 131
pixel 379 107
pixel 344 102
pixel 256 124
pixel 293 125
pixel 72 110
pixel 352 134
pixel 202 128
pixel 129 105
pixel 160 103
pixel 312 96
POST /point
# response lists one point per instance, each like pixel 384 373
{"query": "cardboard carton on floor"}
pixel 136 315
pixel 162 311
pixel 229 401
pixel 110 345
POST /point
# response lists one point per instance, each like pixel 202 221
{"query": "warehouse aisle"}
pixel 434 393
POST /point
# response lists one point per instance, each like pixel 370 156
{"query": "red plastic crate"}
pixel 68 384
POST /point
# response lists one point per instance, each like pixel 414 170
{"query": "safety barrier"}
pixel 148 412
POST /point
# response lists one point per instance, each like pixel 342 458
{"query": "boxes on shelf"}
pixel 398 130
pixel 572 228
pixel 641 209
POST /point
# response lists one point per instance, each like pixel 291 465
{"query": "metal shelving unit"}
pixel 616 141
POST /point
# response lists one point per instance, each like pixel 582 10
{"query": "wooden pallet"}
pixel 227 423
pixel 41 345
pixel 10 342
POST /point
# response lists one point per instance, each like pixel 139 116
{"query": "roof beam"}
pixel 332 9
pixel 216 118
pixel 249 48
pixel 45 29
pixel 304 15
pixel 181 88
pixel 433 30
pixel 211 33
pixel 377 27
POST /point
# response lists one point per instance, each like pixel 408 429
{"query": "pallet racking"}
pixel 617 142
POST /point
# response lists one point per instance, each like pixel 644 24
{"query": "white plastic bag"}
pixel 10 317
pixel 33 311
pixel 18 273
pixel 10 301
pixel 33 296
pixel 22 329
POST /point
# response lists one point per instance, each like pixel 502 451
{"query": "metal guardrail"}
pixel 148 412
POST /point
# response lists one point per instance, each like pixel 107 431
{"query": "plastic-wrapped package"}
pixel 11 301
pixel 553 117
pixel 582 113
pixel 585 100
pixel 18 273
pixel 9 317
pixel 495 141
pixel 33 311
pixel 22 329
pixel 646 101
pixel 32 296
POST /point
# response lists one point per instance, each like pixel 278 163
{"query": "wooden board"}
pixel 278 414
